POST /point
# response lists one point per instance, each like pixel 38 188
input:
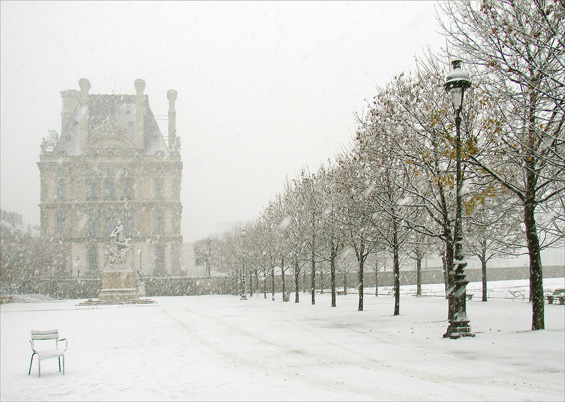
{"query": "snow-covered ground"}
pixel 223 348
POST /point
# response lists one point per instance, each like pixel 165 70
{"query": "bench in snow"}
pixel 39 342
pixel 557 295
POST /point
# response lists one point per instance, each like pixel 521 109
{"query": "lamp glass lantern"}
pixel 456 83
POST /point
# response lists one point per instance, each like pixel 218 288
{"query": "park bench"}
pixel 557 295
pixel 43 352
pixel 516 294
pixel 469 296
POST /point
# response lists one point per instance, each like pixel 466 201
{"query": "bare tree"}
pixel 311 209
pixel 332 229
pixel 203 253
pixel 358 231
pixel 388 207
pixel 492 231
pixel 517 47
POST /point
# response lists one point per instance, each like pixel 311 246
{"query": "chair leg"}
pixel 39 366
pixel 30 363
pixel 59 364
pixel 63 365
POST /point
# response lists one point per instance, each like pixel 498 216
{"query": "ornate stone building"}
pixel 112 164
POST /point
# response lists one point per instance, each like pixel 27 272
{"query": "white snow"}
pixel 223 348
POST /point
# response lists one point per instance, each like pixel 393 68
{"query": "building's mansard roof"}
pixel 111 118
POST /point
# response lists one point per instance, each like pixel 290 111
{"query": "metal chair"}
pixel 43 354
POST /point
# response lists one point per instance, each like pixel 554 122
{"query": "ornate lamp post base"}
pixel 458 321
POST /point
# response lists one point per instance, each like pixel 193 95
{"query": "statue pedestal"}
pixel 141 289
pixel 118 283
pixel 119 286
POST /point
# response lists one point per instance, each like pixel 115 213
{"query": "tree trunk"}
pixel 376 275
pixel 284 297
pixel 313 280
pixel 250 283
pixel 313 258
pixel 321 279
pixel 360 287
pixel 396 268
pixel 332 275
pixel 273 283
pixel 484 276
pixel 345 283
pixel 419 276
pixel 296 284
pixel 536 274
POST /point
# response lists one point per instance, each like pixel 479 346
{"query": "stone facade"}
pixel 111 164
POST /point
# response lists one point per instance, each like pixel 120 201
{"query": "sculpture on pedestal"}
pixel 119 281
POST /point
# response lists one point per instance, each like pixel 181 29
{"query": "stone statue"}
pixel 117 250
pixel 48 143
pixel 118 233
pixel 176 146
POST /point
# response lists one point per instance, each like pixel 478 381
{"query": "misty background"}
pixel 264 88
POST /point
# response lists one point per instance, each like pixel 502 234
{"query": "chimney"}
pixel 172 96
pixel 139 139
pixel 83 112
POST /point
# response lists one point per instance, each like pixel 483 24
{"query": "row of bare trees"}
pixel 393 190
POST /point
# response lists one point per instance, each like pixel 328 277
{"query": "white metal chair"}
pixel 43 353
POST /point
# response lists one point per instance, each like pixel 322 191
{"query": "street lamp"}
pixel 457 81
pixel 242 295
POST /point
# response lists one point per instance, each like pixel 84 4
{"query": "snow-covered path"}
pixel 221 348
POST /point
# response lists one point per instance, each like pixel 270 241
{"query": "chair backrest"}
pixel 48 334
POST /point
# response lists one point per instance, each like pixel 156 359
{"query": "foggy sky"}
pixel 264 88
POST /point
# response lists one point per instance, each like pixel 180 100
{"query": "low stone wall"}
pixel 181 286
pixel 63 288
pixel 178 286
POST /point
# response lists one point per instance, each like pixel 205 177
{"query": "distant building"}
pixel 112 164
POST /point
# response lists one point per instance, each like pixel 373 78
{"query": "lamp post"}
pixel 242 295
pixel 457 81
